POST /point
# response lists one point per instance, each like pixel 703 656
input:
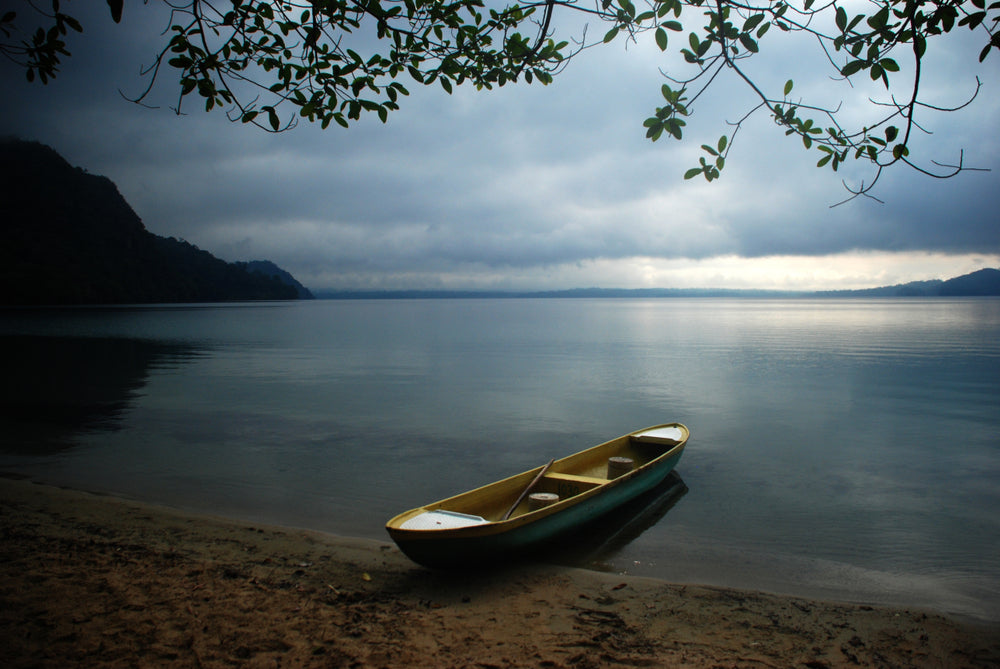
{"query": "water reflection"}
pixel 57 388
pixel 596 544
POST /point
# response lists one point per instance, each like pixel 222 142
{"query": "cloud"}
pixel 524 187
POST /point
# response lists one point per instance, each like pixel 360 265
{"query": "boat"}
pixel 520 514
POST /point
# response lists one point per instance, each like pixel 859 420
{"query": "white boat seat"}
pixel 663 435
pixel 441 519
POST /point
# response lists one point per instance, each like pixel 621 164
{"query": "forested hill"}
pixel 69 237
pixel 984 282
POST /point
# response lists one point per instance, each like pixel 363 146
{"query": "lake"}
pixel 840 448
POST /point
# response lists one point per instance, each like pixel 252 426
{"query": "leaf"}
pixel 70 21
pixel 692 173
pixel 852 68
pixel 788 87
pixel 723 143
pixel 674 126
pixel 116 10
pixel 878 21
pixel 611 34
pixel 973 20
pixel 272 118
pixel 748 43
pixel 661 39
pixel 889 65
pixel 752 22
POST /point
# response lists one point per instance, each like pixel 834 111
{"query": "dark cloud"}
pixel 518 184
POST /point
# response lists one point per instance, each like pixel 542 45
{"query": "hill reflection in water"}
pixel 57 388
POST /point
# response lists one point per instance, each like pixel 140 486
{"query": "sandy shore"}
pixel 90 580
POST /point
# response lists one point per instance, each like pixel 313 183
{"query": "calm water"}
pixel 846 449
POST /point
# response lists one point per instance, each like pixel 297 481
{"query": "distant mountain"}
pixel 69 237
pixel 568 293
pixel 984 282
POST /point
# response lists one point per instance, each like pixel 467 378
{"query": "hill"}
pixel 268 268
pixel 984 282
pixel 69 237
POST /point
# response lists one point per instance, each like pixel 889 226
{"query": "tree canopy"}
pixel 273 63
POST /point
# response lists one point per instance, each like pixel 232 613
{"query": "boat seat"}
pixel 440 519
pixel 575 478
pixel 670 436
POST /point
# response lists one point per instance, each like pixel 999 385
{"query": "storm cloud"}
pixel 523 187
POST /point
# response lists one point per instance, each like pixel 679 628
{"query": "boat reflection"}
pixel 595 544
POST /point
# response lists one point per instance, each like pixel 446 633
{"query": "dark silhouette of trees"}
pixel 68 237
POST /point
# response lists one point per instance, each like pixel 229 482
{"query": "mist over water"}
pixel 848 449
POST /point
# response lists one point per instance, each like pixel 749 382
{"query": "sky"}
pixel 529 187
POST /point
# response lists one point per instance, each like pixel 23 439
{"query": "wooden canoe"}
pixel 471 528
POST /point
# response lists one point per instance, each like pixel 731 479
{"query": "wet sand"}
pixel 92 580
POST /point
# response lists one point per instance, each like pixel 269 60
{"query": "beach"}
pixel 96 580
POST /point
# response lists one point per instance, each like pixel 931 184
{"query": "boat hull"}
pixel 529 530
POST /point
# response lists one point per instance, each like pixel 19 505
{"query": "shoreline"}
pixel 101 580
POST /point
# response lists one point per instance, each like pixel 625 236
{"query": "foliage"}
pixel 853 45
pixel 270 63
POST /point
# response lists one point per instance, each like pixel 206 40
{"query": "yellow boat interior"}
pixel 564 480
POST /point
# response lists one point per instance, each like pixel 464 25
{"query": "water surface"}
pixel 846 449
